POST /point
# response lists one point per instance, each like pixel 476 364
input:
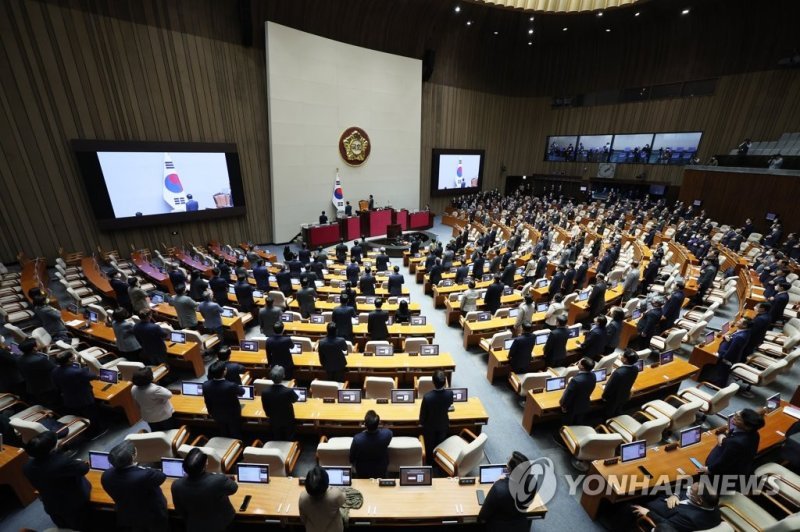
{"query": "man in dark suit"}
pixel 735 452
pixel 433 414
pixel 233 370
pixel 352 271
pixel 261 276
pixel 507 277
pixel 284 280
pixel 356 251
pixel 121 291
pixel 333 354
pixel 494 293
pixel 435 273
pixel 371 203
pixel 614 330
pixel 595 340
pixel 60 481
pixel 151 337
pixel 705 280
pixel 500 511
pixel 569 279
pixel 477 266
pixel 650 272
pixel 191 204
pixel 759 327
pixel 348 209
pixel 176 276
pixel 779 302
pixel 279 350
pixel 376 322
pixel 219 287
pixel 244 296
pixel 341 252
pixel 221 398
pixel 521 353
pixel 605 263
pixel 555 349
pixel 576 399
pixel 396 282
pixel 462 272
pixel 597 298
pixel 202 498
pixel 382 261
pixel 11 380
pixel 617 389
pixel 343 316
pixel 278 403
pixel 136 491
pixel 75 385
pixel 494 265
pixel 697 510
pixel 556 283
pixel 36 368
pixel 580 274
pixel 366 284
pixel 672 308
pixel 731 351
pixel 369 451
pixel 541 267
pixel 323 218
pixel 304 255
pixel 647 326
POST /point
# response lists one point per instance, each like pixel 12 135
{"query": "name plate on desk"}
pixel 610 461
pixel 466 481
pixel 387 482
pixel 328 400
pixel 382 401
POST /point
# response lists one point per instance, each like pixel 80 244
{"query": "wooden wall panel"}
pixel 732 197
pixel 71 73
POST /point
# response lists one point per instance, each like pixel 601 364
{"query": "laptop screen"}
pixel 432 349
pixel 709 337
pixel 228 312
pixel 91 316
pixel 192 388
pixel 599 375
pixel 666 357
pixel 253 473
pixel 416 476
pixel 725 327
pixel 773 402
pixel 460 395
pixel 402 396
pixel 554 384
pixel 296 348
pixel 99 460
pixel 640 365
pixel 513 313
pixel 248 345
pixel 636 314
pixel 542 307
pixel 258 294
pixel 690 436
pixel 339 476
pixel 583 296
pixel 177 337
pixel 507 291
pixel 349 396
pixel 507 343
pixel 286 318
pixel 418 320
pixel 541 337
pixel 384 350
pixel 489 474
pixel 541 283
pixel 247 393
pixel 172 467
pixel 301 393
pixel 317 318
pixel 157 298
pixel 108 375
pixel 575 330
pixel 633 451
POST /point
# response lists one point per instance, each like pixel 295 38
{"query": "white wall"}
pixel 316 89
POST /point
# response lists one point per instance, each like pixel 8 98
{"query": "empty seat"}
pixel 31 426
pixel 152 446
pixel 679 413
pixel 459 455
pixel 405 451
pixel 587 444
pixel 713 402
pixel 321 389
pixel 334 452
pixel 379 387
pixel 280 456
pixel 647 428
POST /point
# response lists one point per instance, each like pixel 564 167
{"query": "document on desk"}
pixel 74 323
pixel 792 411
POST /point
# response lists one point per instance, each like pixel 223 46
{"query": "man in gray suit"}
pixel 306 298
pixel 186 307
pixel 268 316
pixel 630 285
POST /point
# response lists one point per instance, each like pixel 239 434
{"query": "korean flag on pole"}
pixel 338 194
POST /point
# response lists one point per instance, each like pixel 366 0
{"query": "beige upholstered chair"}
pixel 669 340
pixel 459 455
pixel 379 387
pixel 744 514
pixel 372 344
pixel 648 428
pixel 334 452
pixel 713 398
pixel 280 456
pixel 30 426
pixel 587 444
pixel 528 381
pixel 405 451
pixel 152 446
pixel 753 375
pixel 414 344
pixel 495 343
pixel 679 413
pixel 326 389
pixel 222 452
pixel 127 368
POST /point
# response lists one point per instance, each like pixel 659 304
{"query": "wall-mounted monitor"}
pixel 455 172
pixel 633 148
pixel 593 148
pixel 135 184
pixel 561 148
pixel 675 148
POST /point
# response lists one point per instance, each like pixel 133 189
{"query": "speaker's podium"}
pixel 375 223
pixel 321 235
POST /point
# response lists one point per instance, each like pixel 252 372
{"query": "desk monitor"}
pixel 319 284
pixel 636 314
pixel 487 277
pixel 600 374
pixel 339 476
pixel 416 476
pixel 258 294
pixel 228 312
pixel 316 318
pixel 248 345
pixel 295 281
pixel 287 318
pixel 489 474
pixel 99 460
pixel 542 307
pixel 507 291
pixel 731 422
pixel 172 467
pixel 447 282
pixel 484 316
pixel 697 203
pixel 231 290
pixel 773 402
pixel 247 393
pixel 156 298
pixel 349 396
pixel 690 436
pixel 575 330
pixel 72 307
pixel 384 350
pixel 541 283
pixel 709 337
pixel 402 396
pixel 301 393
pixel 177 337
pixel 369 300
pixel 584 189
pixel 253 473
pixel 770 217
pixel 418 320
pixel 14 348
pixel 555 383
pixel 192 388
pixel 453 270
pixel 666 357
pixel 459 395
pixel 429 350
pixel 272 279
pixel 390 320
pixel 584 295
pixel 541 337
pixel 507 343
pixel 513 313
pixel 725 327
pixel 296 348
pixel 335 299
pixel 640 365
pixel 108 375
pixel 633 451
pixel 91 316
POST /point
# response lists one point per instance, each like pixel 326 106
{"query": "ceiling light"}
pixel 685 11
pixel 564 28
pixel 600 14
pixel 458 9
pixel 469 23
pixel 531 19
pixel 636 14
pixel 497 33
pixel 530 31
pixel 530 43
pixel 608 30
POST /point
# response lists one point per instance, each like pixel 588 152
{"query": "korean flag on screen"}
pixel 458 171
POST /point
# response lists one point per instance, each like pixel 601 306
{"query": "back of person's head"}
pixel 39 300
pixel 751 419
pixel 270 302
pixel 372 420
pixel 378 303
pixel 745 323
pixel 630 356
pixel 516 459
pixel 439 379
pixel 396 269
pixel 617 314
pixel 561 321
pixel 528 299
pixel 216 370
pixel 765 306
pixel 527 327
pixel 145 315
pixel 64 358
pixel 215 271
pixel 142 377
pixel 558 298
pixel 601 321
pixel 331 328
pixel 133 281
pixel 586 364
pixel 122 455
pixel 194 465
pixel 278 328
pixel 180 289
pixel 317 482
pixel 224 353
pixel 28 345
pixel 600 278
pixel 471 285
pixel 42 444
pixel 680 285
pixel 277 374
pixel 403 305
pixel 120 314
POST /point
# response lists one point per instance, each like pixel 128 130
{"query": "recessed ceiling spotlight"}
pixel 608 30
pixel 458 9
pixel 530 43
pixel 531 19
pixel 600 14
pixel 564 28
pixel 685 11
pixel 636 14
pixel 530 31
pixel 497 33
pixel 469 23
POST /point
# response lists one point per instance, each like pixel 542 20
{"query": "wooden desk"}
pixel 441 293
pixel 151 272
pixel 323 306
pixel 95 276
pixel 11 461
pixel 118 396
pixel 442 503
pixel 383 292
pixel 498 360
pixel 401 365
pixel 215 248
pixel 629 331
pixel 661 381
pixel 453 308
pixel 235 325
pixel 397 331
pixel 185 259
pixel 627 482
pixel 103 335
pixel 475 330
pixel 316 417
pixel 578 309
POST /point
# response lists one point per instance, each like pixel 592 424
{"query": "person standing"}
pixel 278 403
pixel 120 290
pixel 614 330
pixel 319 505
pixel 36 368
pixel 520 355
pixel 630 285
pixel 395 282
pixel 333 354
pixel 433 414
pixel 555 348
pixel 617 390
pixel 219 287
pixel 369 451
pixel 212 316
pixel 202 498
pixel 377 320
pixel 154 401
pixel 469 298
pixel 244 296
pixel 151 337
pixel 268 317
pixel 576 400
pixel 499 511
pixel 127 344
pixel 342 316
pixel 50 318
pixel 525 312
pixel 594 341
pixel 279 350
pixel 597 298
pixel 306 298
pixel 75 385
pixel 221 398
pixel 736 451
pixel 494 294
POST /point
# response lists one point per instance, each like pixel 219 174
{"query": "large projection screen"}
pixel 316 89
